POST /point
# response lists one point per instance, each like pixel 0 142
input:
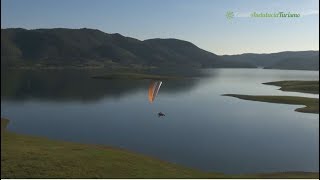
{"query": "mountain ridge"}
pixel 293 59
pixel 62 46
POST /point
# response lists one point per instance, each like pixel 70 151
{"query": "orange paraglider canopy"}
pixel 153 90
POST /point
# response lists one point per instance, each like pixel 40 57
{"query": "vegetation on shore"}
pixel 311 104
pixel 297 86
pixel 132 75
pixel 25 156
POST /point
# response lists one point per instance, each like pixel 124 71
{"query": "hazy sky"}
pixel 202 22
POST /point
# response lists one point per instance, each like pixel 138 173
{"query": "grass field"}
pixel 24 156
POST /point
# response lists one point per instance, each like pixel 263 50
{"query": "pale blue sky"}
pixel 202 22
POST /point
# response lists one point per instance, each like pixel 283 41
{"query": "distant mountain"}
pixel 88 46
pixel 305 63
pixel 299 60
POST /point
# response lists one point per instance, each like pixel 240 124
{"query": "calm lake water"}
pixel 201 129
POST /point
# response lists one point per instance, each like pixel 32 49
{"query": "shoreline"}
pixel 25 156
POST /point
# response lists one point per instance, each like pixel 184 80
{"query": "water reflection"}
pixel 74 85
